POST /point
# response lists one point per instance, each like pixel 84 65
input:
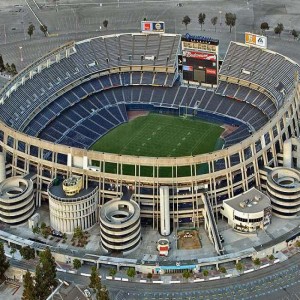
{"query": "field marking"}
pixel 133 137
pixel 173 136
pixel 202 139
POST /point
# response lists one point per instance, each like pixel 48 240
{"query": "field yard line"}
pixel 202 139
pixel 134 136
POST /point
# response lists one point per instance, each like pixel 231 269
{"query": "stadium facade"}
pixel 56 108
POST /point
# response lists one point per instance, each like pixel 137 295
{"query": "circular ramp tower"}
pixel 120 226
pixel 16 200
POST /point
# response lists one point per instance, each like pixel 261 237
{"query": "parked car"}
pixel 87 293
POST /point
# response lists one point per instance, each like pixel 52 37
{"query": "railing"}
pixel 213 225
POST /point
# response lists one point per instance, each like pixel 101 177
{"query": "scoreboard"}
pixel 200 60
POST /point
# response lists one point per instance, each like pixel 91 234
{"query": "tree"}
pixel 295 34
pixel 264 26
pixel 186 274
pixel 7 68
pixel 239 266
pixel 222 270
pixel 78 233
pixel 104 294
pixel 201 19
pixel 230 20
pixel 271 257
pixel 13 69
pixel 131 273
pixel 2 66
pixel 27 252
pixel 149 276
pixel 112 272
pixel 94 277
pixel 43 225
pixel 76 263
pixel 205 273
pixel 29 289
pixel 214 22
pixel 45 276
pixel 44 29
pixel 30 30
pixel 40 288
pixel 105 23
pixel 297 244
pixel 35 230
pixel 278 29
pixel 12 251
pixel 256 261
pixel 4 264
pixel 186 21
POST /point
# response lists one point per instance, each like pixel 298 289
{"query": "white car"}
pixel 87 293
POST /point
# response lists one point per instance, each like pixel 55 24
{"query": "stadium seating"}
pixel 267 69
pixel 246 94
pixel 63 105
pixel 84 103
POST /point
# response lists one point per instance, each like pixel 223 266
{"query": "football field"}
pixel 162 136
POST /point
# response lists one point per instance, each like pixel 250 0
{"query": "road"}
pixel 280 281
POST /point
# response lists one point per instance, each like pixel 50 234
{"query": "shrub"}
pixel 256 261
pixel 239 266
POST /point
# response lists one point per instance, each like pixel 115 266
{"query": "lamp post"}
pixel 21 53
pixel 76 22
pixel 5 37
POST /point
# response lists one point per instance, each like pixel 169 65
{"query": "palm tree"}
pixel 186 21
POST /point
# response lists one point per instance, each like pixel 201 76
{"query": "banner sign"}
pixel 152 26
pixel 200 55
pixel 256 40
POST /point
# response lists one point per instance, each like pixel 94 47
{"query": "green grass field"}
pixel 162 136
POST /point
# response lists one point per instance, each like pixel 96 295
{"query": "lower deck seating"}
pixel 80 117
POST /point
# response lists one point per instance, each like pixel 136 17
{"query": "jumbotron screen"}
pixel 200 59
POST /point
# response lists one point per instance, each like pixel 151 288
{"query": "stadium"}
pixel 59 118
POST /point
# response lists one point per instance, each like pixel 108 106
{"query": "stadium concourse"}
pixel 55 109
pixel 79 92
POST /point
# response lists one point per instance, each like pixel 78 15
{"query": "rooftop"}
pixel 57 191
pixel 251 201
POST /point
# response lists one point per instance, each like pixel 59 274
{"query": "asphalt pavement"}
pixel 279 281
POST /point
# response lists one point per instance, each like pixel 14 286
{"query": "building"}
pixel 248 212
pixel 120 226
pixel 71 205
pixel 283 187
pixel 75 94
pixel 17 200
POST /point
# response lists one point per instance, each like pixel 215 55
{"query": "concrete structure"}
pixel 69 212
pixel 16 200
pixel 120 226
pixel 291 153
pixel 34 221
pixel 72 185
pixel 283 187
pixel 248 212
pixel 220 174
pixel 164 210
pixel 2 167
pixel 163 247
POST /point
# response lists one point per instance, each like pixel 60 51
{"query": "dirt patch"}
pixel 228 129
pixel 188 239
pixel 133 114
